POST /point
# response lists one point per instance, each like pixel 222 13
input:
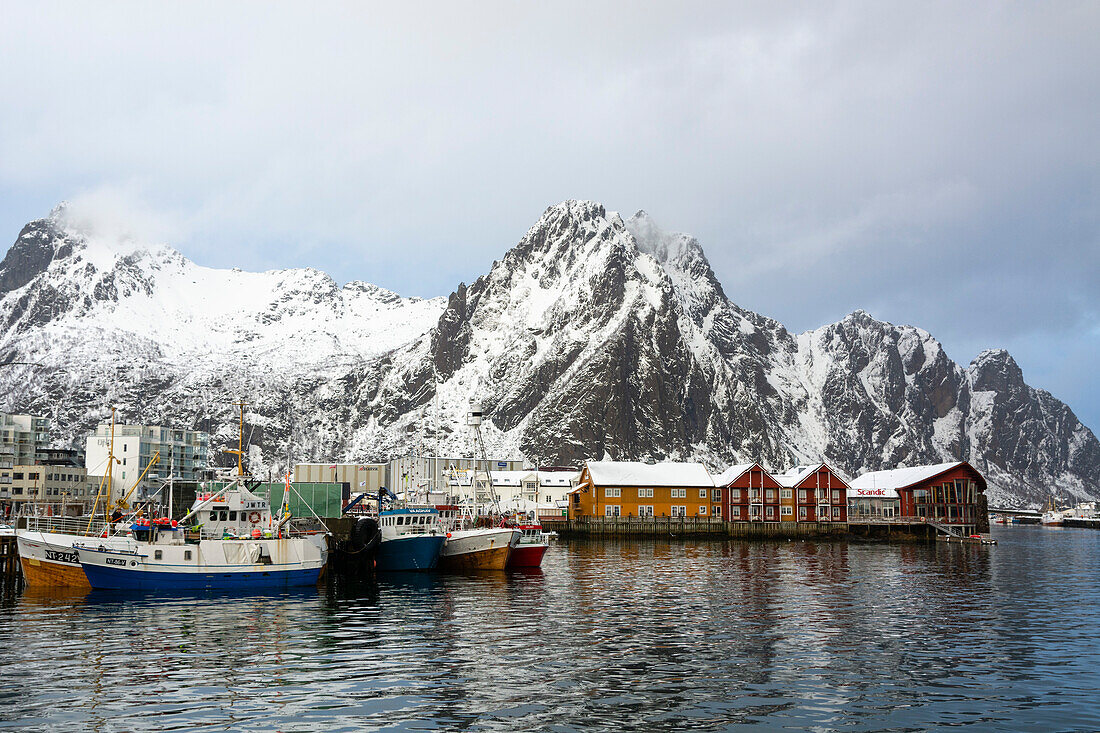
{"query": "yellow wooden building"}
pixel 632 489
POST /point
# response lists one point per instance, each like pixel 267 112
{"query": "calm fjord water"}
pixel 608 636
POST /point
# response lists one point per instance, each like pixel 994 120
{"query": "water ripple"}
pixel 610 636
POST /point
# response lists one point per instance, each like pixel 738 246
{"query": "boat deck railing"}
pixel 65 525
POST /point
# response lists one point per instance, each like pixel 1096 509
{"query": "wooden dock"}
pixel 717 529
pixel 11 572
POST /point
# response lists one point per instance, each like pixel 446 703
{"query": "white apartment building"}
pixel 23 438
pixel 183 453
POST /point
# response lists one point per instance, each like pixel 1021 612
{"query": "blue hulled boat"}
pixel 412 539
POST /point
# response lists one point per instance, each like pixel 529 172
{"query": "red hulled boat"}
pixel 532 546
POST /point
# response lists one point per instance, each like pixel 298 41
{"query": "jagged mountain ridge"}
pixel 593 336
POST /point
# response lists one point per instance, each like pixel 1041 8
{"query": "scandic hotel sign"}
pixel 873 492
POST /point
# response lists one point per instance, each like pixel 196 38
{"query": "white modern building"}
pixel 183 453
pixel 23 438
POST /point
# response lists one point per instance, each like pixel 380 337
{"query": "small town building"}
pixel 818 493
pixel 634 489
pixel 415 473
pixel 183 453
pixel 24 437
pixel 42 489
pixel 749 494
pixel 360 478
pixel 952 493
pixel 554 488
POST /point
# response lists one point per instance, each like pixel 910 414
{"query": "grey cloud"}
pixel 934 163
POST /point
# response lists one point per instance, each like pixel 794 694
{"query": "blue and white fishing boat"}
pixel 234 544
pixel 412 539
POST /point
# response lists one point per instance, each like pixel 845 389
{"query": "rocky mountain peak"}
pixel 995 370
pixel 39 243
pixel 592 336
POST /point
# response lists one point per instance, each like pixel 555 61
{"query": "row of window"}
pixel 769 494
pixel 18 491
pixel 616 493
pixel 767 513
pixel 646 510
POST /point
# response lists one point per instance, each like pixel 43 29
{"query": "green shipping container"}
pixel 325 499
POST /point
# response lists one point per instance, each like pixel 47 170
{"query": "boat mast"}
pixel 240 440
pixel 171 473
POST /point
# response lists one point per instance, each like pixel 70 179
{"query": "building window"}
pixel 645 511
pixel 802 494
pixel 735 494
pixel 754 512
pixel 784 493
pixel 769 494
pixel 771 512
pixel 611 510
pixel 716 495
pixel 802 513
pixel 679 511
pixel 17 476
pixel 836 496
pixel 717 511
pixel 679 493
pixel 702 493
pixel 702 511
pixel 786 511
pixel 645 493
pixel 612 493
pixel 836 512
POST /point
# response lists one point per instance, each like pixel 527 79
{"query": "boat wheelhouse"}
pixel 412 539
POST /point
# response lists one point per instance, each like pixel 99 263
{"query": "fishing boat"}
pixel 532 545
pixel 46 552
pixel 470 548
pixel 412 539
pixel 229 540
pixel 45 543
pixel 1052 516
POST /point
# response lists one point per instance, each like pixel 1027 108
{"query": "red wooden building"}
pixel 818 493
pixel 749 494
pixel 953 493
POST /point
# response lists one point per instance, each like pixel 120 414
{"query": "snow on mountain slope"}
pixel 592 337
pixel 116 296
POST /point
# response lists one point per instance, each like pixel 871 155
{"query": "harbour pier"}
pixel 11 573
pixel 896 530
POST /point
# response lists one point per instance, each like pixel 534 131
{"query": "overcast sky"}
pixel 934 164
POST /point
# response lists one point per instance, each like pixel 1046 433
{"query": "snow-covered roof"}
pixel 733 472
pixel 510 478
pixel 887 483
pixel 635 473
pixel 798 474
pixel 557 478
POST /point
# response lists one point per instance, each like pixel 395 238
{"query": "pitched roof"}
pixel 798 474
pixel 897 478
pixel 634 473
pixel 728 476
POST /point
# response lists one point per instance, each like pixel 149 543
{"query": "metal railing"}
pixel 65 525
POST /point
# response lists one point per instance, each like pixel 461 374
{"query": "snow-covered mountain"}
pixel 593 336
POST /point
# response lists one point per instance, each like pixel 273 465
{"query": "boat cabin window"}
pixel 186 554
pixel 233 516
pixel 158 554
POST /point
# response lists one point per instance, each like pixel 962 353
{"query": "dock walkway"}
pixel 711 528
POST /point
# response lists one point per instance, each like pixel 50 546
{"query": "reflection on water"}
pixel 607 636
